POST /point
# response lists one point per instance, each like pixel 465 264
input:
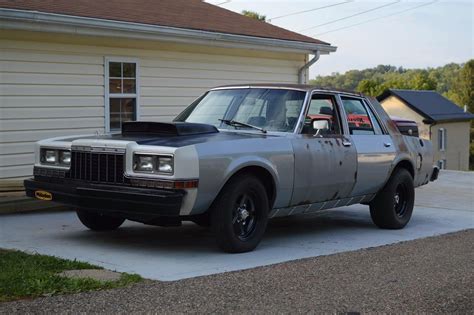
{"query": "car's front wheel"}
pixel 393 206
pixel 239 215
pixel 98 222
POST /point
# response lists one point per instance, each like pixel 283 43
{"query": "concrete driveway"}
pixel 189 251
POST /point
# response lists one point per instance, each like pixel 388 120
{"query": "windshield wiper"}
pixel 238 123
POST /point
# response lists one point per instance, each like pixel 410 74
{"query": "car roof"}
pixel 300 87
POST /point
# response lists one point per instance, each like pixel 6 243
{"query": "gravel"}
pixel 431 275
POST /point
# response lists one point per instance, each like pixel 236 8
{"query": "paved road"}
pixel 177 253
pixel 431 275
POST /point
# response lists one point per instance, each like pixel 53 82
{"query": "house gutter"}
pixel 302 70
pixel 58 23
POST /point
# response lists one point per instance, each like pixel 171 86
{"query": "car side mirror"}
pixel 320 124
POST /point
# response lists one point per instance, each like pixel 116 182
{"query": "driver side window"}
pixel 322 107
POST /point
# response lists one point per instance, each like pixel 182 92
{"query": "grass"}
pixel 31 275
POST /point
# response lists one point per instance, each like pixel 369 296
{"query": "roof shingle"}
pixel 429 104
pixel 187 14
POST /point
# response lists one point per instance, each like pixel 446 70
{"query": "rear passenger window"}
pixel 357 117
pixel 375 123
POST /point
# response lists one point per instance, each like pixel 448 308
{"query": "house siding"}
pixel 395 107
pixel 456 153
pixel 54 85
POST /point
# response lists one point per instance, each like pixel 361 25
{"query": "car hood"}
pixel 174 140
pixel 175 134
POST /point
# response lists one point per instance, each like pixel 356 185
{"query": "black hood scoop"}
pixel 165 129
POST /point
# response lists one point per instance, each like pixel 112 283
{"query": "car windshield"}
pixel 266 108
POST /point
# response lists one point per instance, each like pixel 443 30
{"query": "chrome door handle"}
pixel 387 144
pixel 346 143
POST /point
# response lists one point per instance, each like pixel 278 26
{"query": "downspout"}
pixel 302 70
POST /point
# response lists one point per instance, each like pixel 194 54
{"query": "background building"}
pixel 439 120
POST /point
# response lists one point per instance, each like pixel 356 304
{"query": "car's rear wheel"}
pixel 99 222
pixel 239 215
pixel 392 208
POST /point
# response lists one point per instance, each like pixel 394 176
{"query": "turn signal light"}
pixel 186 184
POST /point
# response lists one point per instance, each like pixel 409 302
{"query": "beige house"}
pixel 439 120
pixel 70 67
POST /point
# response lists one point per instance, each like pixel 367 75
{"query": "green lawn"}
pixel 25 276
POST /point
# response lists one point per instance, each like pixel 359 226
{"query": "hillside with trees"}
pixel 454 81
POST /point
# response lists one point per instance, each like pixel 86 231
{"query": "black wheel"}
pixel 99 222
pixel 393 206
pixel 239 215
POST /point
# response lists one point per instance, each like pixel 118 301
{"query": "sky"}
pixel 429 36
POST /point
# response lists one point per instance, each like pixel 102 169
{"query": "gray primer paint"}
pixel 310 173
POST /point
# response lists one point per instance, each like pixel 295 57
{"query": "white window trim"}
pixel 107 95
pixel 442 139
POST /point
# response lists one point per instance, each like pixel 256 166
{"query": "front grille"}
pixel 47 172
pixel 97 167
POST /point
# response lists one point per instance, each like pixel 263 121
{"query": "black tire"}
pixel 239 215
pixel 99 222
pixel 392 207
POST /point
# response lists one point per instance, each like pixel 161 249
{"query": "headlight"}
pixel 143 163
pixel 49 157
pixel 55 157
pixel 165 164
pixel 65 157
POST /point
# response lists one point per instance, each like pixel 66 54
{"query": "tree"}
pixel 421 81
pixel 465 86
pixel 454 81
pixel 370 87
pixel 254 15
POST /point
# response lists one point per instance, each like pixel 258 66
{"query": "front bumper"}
pixel 124 200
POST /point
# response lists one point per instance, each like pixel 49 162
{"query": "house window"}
pixel 122 86
pixel 441 139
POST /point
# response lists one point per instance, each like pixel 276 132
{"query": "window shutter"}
pixel 440 139
pixel 445 139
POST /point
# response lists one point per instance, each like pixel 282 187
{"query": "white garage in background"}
pixel 70 67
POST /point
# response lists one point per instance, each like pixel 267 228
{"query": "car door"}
pixel 375 150
pixel 324 164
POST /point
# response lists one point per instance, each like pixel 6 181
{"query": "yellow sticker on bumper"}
pixel 43 195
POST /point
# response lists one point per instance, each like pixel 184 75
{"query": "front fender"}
pixel 217 164
pixel 240 163
pixel 210 185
